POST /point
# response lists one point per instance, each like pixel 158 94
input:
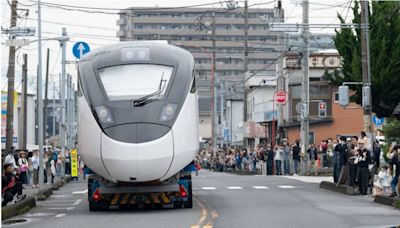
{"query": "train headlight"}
pixel 168 112
pixel 104 114
pixel 135 53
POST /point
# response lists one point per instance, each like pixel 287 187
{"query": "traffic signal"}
pixel 366 96
pixel 343 95
pixel 321 109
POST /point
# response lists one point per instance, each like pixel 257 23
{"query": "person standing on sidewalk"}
pixel 35 166
pixel 270 160
pixel 343 161
pixel 278 153
pixel 296 157
pixel 352 148
pixel 362 160
pixel 393 156
pixel 23 167
pixel 286 158
pixel 335 162
pixel 377 154
pixel 313 158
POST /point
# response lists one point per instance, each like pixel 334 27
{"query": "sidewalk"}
pixel 33 194
pixel 29 191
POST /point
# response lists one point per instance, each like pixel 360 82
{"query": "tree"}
pixel 384 33
pixel 392 131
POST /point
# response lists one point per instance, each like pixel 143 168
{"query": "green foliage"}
pixel 392 131
pixel 384 55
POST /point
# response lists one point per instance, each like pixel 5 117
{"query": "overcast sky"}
pixel 100 29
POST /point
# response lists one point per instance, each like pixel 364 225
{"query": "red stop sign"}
pixel 281 96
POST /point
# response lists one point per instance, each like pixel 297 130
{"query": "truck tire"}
pixel 189 203
pixel 98 206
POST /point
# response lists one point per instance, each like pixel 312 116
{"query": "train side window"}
pixel 193 88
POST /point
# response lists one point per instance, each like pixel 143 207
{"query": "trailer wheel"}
pixel 189 203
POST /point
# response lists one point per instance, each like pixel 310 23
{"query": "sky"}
pixel 100 29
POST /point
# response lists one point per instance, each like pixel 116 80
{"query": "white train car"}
pixel 137 122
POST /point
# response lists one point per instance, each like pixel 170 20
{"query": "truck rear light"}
pixel 96 195
pixel 182 190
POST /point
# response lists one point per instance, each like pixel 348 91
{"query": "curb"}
pixel 390 201
pixel 344 189
pixel 25 205
pixel 244 173
pixel 18 208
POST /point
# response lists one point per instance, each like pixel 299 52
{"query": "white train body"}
pixel 124 133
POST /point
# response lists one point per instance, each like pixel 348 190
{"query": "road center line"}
pixel 234 187
pixel 260 187
pixel 286 186
pixel 208 188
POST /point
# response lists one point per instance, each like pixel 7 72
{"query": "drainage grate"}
pixel 13 221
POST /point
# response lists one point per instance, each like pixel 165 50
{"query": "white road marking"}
pixel 60 215
pixel 58 196
pixel 208 188
pixel 39 214
pixel 234 187
pixel 286 186
pixel 62 208
pixel 260 187
pixel 78 201
pixel 80 192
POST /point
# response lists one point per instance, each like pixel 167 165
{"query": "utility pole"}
pixel 46 92
pixel 24 102
pixel 280 79
pixel 73 103
pixel 11 79
pixel 222 92
pixel 214 94
pixel 39 97
pixel 305 82
pixel 246 63
pixel 62 100
pixel 68 111
pixel 366 70
pixel 54 109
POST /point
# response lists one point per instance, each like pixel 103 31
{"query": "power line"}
pixel 121 9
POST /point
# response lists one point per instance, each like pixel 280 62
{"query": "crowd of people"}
pixel 21 171
pixel 282 159
pixel 354 161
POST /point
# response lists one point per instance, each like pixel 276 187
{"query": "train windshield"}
pixel 125 82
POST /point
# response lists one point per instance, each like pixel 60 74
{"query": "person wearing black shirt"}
pixel 362 159
pixel 342 150
pixel 296 157
pixel 270 160
pixel 393 155
pixel 10 185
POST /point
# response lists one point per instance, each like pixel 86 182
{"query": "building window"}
pixel 336 97
pixel 295 91
pixel 311 137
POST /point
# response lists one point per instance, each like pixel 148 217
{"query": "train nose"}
pixel 137 162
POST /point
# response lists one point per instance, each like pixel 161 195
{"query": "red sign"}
pixel 281 96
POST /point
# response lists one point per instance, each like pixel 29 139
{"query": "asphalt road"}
pixel 222 200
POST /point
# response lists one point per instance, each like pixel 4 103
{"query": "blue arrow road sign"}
pixel 377 121
pixel 80 48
